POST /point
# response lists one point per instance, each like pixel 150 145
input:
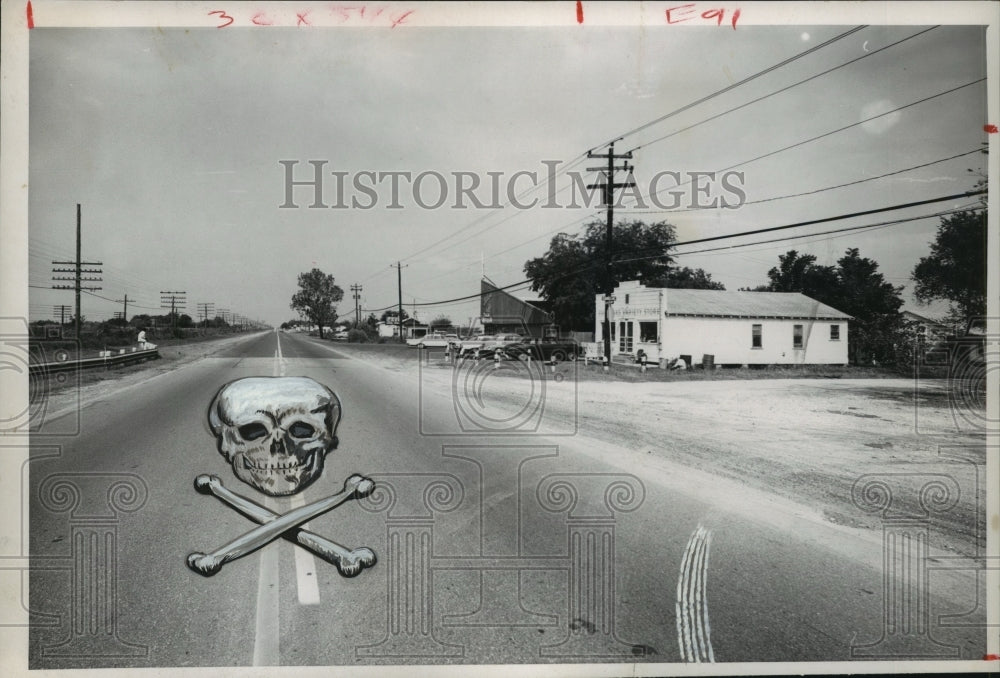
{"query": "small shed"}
pixel 735 328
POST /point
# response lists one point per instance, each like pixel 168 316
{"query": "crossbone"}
pixel 288 525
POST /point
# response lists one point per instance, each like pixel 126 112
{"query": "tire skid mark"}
pixel 694 638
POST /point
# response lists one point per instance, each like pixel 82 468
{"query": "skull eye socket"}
pixel 300 429
pixel 252 431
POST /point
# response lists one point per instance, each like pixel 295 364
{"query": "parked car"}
pixel 414 342
pixel 557 350
pixel 470 345
pixel 438 340
pixel 491 345
pixel 341 334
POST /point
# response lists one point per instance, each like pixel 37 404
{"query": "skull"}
pixel 275 431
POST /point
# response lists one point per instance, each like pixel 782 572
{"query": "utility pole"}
pixel 609 186
pixel 60 310
pixel 125 309
pixel 78 272
pixel 174 299
pixel 399 287
pixel 204 308
pixel 356 288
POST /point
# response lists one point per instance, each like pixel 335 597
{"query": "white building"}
pixel 735 328
pixel 390 328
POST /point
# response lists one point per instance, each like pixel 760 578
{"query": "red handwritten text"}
pixel 357 14
pixel 225 18
pixel 689 12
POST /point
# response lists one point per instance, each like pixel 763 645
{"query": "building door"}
pixel 625 337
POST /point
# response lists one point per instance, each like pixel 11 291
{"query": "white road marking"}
pixel 266 648
pixel 305 566
pixel 694 638
pixel 266 643
pixel 279 360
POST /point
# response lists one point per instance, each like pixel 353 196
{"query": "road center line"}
pixel 279 359
pixel 266 645
pixel 305 566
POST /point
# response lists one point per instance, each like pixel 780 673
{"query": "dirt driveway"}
pixel 858 451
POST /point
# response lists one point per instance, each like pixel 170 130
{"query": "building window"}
pixel 758 337
pixel 796 336
pixel 647 332
pixel 626 298
pixel 834 332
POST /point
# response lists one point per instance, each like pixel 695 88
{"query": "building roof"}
pixel 910 315
pixel 747 305
pixel 500 305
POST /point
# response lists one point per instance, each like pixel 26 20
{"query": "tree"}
pixel 316 298
pixel 441 321
pixel 692 279
pixel 800 273
pixel 572 271
pixel 956 267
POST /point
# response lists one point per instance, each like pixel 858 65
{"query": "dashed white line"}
pixel 305 566
pixel 694 637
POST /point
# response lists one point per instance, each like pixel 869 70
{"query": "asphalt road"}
pixel 491 548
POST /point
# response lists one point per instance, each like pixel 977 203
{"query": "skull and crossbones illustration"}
pixel 276 432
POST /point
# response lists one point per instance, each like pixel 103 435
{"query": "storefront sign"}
pixel 651 312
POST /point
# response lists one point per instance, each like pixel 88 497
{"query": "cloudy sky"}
pixel 171 140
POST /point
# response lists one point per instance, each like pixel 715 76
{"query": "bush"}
pixel 357 336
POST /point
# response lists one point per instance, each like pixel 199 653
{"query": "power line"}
pixel 812 235
pixel 752 202
pixel 839 217
pixel 733 235
pixel 818 190
pixel 733 86
pixel 656 121
pixel 638 129
pixel 785 89
pixel 841 129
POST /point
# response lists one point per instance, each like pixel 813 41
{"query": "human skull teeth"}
pixel 272 465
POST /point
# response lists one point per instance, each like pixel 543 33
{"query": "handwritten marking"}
pixel 989 129
pixel 694 638
pixel 223 16
pixel 343 13
pixel 31 15
pixel 681 13
pixel 400 18
pixel 579 11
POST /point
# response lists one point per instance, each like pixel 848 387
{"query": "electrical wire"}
pixel 733 86
pixel 758 231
